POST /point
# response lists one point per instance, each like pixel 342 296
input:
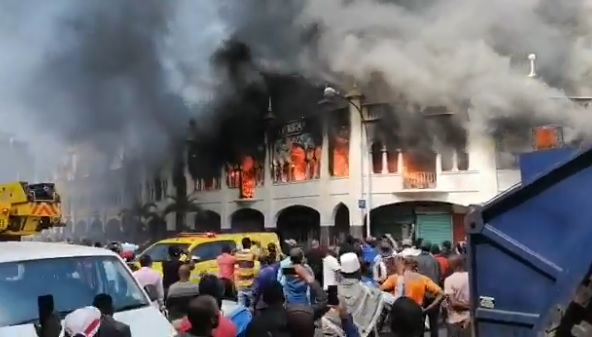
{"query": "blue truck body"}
pixel 530 247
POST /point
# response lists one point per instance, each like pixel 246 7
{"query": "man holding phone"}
pixel 49 321
pixel 296 286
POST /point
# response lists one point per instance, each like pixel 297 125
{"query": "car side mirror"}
pixel 152 292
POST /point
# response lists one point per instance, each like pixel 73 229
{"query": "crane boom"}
pixel 27 209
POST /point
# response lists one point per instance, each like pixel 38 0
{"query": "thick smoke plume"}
pixel 438 52
pixel 130 74
pixel 105 75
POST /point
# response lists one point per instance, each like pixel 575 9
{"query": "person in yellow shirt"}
pixel 244 273
pixel 407 282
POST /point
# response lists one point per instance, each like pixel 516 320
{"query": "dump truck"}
pixel 529 250
pixel 27 209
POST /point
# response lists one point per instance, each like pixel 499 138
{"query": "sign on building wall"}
pixel 296 151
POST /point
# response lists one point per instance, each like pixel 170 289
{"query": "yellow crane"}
pixel 27 209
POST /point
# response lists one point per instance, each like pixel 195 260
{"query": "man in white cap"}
pixel 83 322
pixel 363 302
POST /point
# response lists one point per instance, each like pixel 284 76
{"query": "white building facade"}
pixel 317 186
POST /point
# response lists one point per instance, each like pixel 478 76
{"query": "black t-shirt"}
pixel 170 272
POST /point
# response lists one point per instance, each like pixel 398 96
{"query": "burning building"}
pixel 306 161
pixel 359 164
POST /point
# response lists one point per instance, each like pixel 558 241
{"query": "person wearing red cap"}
pixel 83 322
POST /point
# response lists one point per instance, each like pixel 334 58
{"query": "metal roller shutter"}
pixel 391 222
pixel 434 227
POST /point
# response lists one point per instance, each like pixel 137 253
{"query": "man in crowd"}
pixel 456 287
pixel 266 276
pixel 446 248
pixel 379 269
pixel 408 249
pixel 110 327
pixel 331 268
pixel 420 288
pixel 272 252
pixel 314 258
pixel 170 268
pixel 148 276
pixel 244 274
pixel 83 322
pixel 370 250
pixel 365 303
pixel 183 287
pixel 429 266
pixel 296 289
pixel 295 320
pixel 212 286
pixel 442 261
pixel 407 319
pixel 226 262
pixel 203 313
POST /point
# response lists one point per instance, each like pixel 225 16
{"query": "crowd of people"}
pixel 290 295
pixel 357 288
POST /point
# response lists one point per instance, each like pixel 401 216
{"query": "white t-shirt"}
pixel 330 269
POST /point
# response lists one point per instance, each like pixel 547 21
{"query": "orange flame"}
pixel 341 157
pixel 298 157
pixel 248 178
pixel 546 138
pixel 415 176
pixel 318 152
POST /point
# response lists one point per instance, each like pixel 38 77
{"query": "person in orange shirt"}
pixel 407 282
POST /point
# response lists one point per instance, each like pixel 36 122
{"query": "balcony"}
pixel 419 180
pixel 427 182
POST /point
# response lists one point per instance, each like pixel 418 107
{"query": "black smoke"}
pixel 105 84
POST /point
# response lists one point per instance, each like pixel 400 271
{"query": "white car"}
pixel 73 275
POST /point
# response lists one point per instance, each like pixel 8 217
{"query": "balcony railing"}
pixel 419 180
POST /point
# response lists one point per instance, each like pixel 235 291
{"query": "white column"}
pixel 438 163
pixel 454 161
pixel 400 163
pixel 356 158
pixel 385 163
pixel 326 221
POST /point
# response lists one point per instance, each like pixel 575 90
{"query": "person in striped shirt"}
pixel 244 273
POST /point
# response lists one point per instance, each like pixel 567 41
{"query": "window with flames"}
pixel 547 137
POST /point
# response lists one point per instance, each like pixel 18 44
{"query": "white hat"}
pixel 83 322
pixel 350 263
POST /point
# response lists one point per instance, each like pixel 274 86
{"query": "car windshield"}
pixel 73 282
pixel 160 251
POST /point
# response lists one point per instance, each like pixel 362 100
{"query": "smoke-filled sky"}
pixel 133 72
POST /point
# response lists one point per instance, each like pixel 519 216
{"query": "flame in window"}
pixel 341 154
pixel 299 163
pixel 546 138
pixel 415 176
pixel 248 178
